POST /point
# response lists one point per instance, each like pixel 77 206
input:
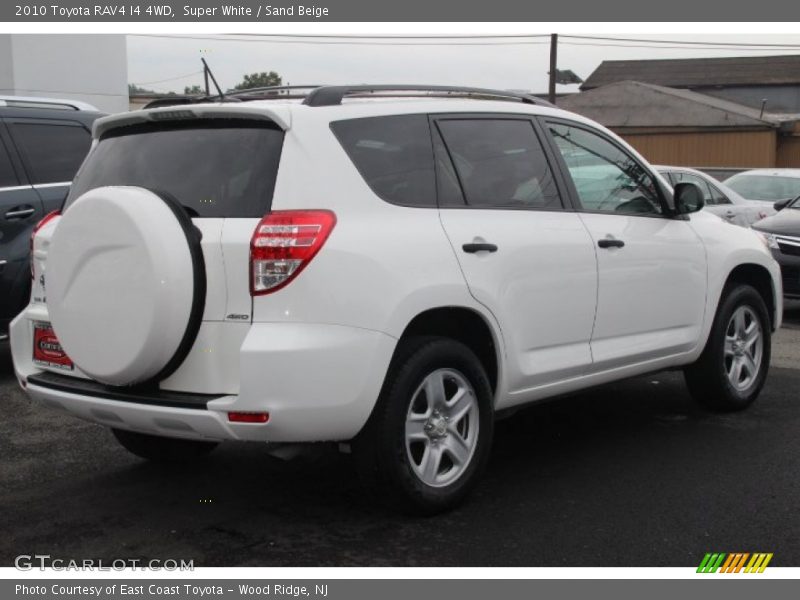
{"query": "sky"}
pixel 493 63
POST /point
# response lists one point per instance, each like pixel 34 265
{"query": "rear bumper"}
pixel 318 382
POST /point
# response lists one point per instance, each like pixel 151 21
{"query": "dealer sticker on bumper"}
pixel 47 350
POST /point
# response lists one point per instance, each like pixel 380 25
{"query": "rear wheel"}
pixel 730 373
pixel 429 436
pixel 161 449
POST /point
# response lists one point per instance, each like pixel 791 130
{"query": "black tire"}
pixel 707 378
pixel 382 457
pixel 162 449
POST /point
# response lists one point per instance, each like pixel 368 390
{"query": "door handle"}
pixel 610 243
pixel 20 212
pixel 478 247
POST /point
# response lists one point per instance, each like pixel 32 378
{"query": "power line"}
pixel 726 48
pixel 682 42
pixel 517 40
pixel 348 42
pixel 401 37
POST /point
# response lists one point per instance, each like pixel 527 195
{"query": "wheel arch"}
pixel 464 325
pixel 759 278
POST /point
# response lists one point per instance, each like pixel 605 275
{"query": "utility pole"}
pixel 553 69
pixel 205 76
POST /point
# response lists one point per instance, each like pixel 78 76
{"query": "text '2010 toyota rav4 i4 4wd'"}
pixel 386 267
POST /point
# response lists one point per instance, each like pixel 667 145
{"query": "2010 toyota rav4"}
pixel 385 268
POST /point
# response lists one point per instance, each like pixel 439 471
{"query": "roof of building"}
pixel 700 72
pixel 637 104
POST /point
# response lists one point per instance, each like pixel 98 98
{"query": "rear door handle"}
pixel 479 247
pixel 610 243
pixel 20 212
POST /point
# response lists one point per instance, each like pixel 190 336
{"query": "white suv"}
pixel 386 267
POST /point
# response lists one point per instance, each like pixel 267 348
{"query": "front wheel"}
pixel 730 373
pixel 429 436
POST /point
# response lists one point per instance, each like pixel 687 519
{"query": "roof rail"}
pixel 334 94
pixel 37 102
pixel 272 91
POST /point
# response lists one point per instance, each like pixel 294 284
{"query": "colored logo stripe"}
pixel 734 562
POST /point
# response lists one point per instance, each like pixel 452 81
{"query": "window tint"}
pixel 606 178
pixel 214 168
pixel 7 176
pixel 682 177
pixel 52 152
pixel 393 155
pixel 500 163
pixel 717 197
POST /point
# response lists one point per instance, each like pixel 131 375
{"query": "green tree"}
pixel 135 89
pixel 193 90
pixel 257 80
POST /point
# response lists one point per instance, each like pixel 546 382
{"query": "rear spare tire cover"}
pixel 124 282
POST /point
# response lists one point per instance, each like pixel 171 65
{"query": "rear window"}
pixel 764 187
pixel 213 168
pixel 394 156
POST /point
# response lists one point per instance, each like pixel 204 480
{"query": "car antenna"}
pixel 207 72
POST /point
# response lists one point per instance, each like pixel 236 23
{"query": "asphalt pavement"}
pixel 631 474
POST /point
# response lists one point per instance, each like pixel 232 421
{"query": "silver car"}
pixel 767 185
pixel 719 198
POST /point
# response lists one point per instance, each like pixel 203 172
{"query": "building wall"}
pixel 789 151
pixel 90 68
pixel 737 149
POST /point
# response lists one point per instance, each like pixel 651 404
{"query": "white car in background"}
pixel 766 186
pixel 720 199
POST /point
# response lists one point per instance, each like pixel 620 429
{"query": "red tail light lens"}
pixel 47 218
pixel 248 417
pixel 283 244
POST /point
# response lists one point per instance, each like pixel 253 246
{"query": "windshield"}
pixel 214 168
pixel 769 188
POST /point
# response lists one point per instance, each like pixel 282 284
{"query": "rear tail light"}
pixel 283 244
pixel 47 218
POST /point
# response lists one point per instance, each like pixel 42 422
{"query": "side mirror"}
pixel 688 198
pixel 781 204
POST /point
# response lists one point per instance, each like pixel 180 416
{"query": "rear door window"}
pixel 394 155
pixel 500 163
pixel 52 151
pixel 214 168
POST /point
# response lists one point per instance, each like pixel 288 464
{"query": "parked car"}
pixel 42 143
pixel 782 233
pixel 379 271
pixel 719 198
pixel 766 185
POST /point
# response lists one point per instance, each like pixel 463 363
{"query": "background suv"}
pixel 42 143
pixel 385 267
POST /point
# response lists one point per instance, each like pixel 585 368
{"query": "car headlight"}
pixel 769 239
